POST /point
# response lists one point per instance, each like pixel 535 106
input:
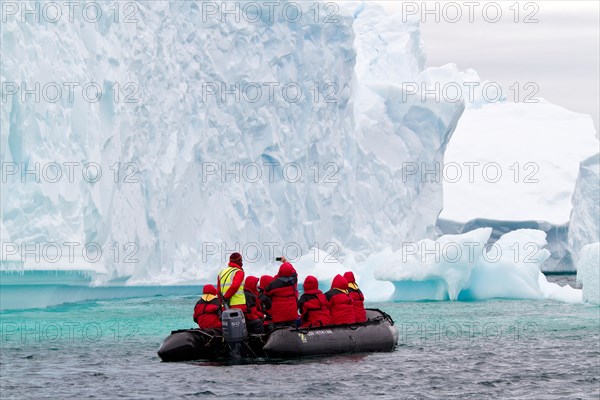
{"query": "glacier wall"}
pixel 165 146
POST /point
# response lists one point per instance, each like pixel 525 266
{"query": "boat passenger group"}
pixel 273 302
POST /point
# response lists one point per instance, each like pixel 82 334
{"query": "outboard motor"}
pixel 234 330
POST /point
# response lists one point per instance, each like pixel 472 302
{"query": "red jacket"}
pixel 314 310
pixel 207 312
pixel 358 298
pixel 265 301
pixel 283 292
pixel 253 307
pixel 238 278
pixel 340 302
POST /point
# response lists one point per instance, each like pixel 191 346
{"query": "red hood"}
pixel 349 277
pixel 339 282
pixel 311 284
pixel 234 265
pixel 286 269
pixel 264 281
pixel 250 284
pixel 209 289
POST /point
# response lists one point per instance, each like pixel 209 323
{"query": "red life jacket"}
pixel 340 302
pixel 207 312
pixel 358 298
pixel 314 310
pixel 283 292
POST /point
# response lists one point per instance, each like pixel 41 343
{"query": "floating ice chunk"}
pixel 443 266
pixel 325 266
pixel 459 267
pixel 553 291
pixel 320 264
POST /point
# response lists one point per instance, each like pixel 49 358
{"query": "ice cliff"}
pixel 584 227
pixel 165 130
pixel 588 272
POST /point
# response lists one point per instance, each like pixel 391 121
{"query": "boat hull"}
pixel 375 335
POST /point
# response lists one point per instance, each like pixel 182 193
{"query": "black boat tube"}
pixel 377 334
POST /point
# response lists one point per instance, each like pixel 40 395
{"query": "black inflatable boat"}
pixel 377 334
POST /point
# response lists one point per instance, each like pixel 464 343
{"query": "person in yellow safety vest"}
pixel 231 283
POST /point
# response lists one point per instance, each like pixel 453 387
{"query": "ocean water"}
pixel 106 349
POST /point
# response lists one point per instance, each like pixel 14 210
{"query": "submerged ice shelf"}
pixel 72 288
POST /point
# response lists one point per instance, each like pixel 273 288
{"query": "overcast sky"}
pixel 560 52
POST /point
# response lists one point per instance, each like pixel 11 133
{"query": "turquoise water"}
pixel 488 349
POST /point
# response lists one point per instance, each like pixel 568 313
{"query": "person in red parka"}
pixel 314 310
pixel 358 299
pixel 283 291
pixel 265 301
pixel 254 315
pixel 340 302
pixel 207 312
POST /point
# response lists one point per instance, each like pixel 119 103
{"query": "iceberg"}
pixel 504 139
pixel 175 141
pixel 463 267
pixel 209 135
pixel 588 272
pixel 502 170
pixel 584 227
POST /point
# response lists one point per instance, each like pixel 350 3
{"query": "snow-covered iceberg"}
pixel 462 267
pixel 515 165
pixel 525 162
